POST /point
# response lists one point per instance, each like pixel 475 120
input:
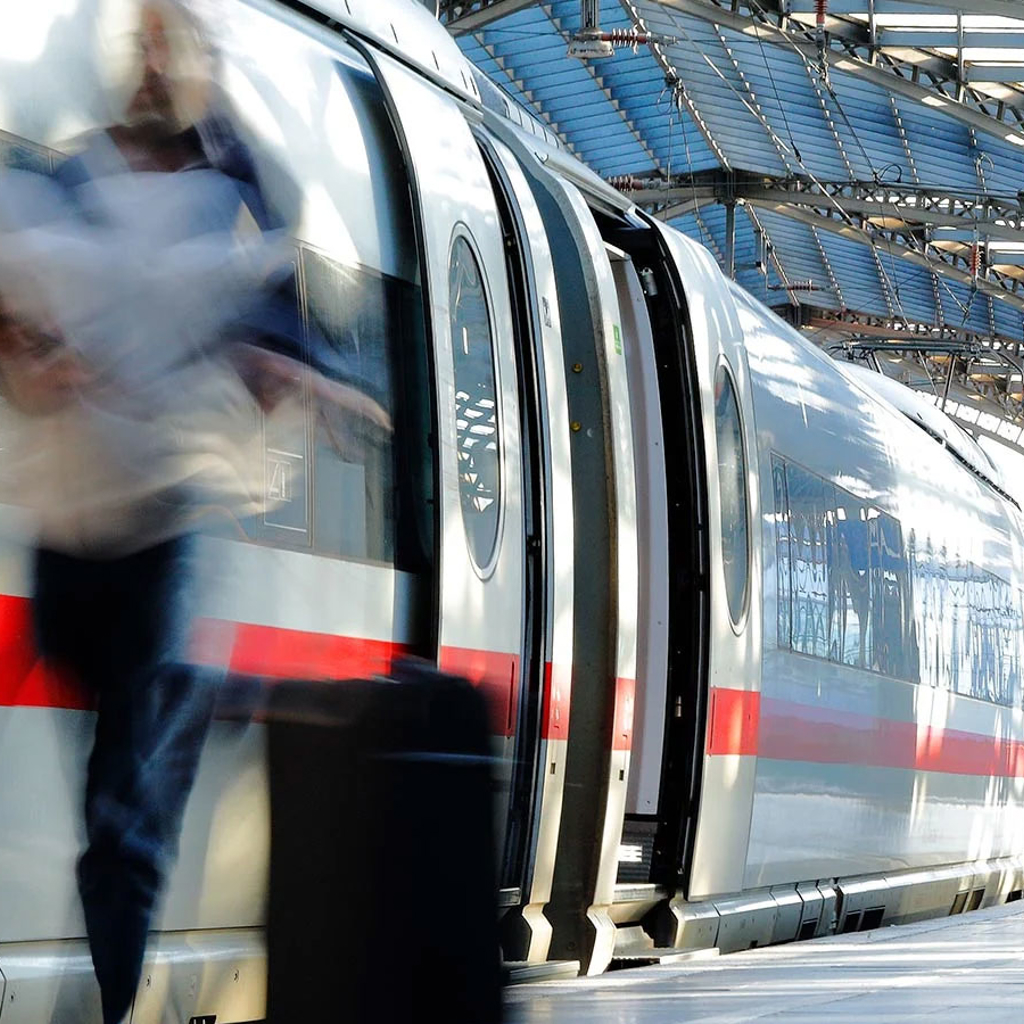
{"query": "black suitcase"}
pixel 382 902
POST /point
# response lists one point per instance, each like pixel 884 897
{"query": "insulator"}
pixel 975 259
pixel 820 10
pixel 625 37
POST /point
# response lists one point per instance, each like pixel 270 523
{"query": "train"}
pixel 749 618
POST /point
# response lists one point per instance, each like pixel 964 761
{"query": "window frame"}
pixel 462 232
pixel 739 623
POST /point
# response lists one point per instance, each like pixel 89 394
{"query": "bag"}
pixel 382 868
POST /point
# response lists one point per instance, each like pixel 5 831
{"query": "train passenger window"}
pixel 959 628
pixel 336 483
pixel 992 654
pixel 784 589
pixel 912 660
pixel 732 490
pixel 1008 626
pixel 851 584
pixel 358 313
pixel 1016 644
pixel 929 611
pixel 476 413
pixel 810 503
pixel 24 156
pixel 888 587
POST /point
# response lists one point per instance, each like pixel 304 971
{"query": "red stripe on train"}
pixel 25 681
pixel 733 717
pixel 290 653
pixel 745 723
pixel 622 727
pixel 554 722
pixel 496 674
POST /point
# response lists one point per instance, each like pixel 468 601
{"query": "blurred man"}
pixel 127 313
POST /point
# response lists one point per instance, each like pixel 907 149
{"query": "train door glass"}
pixel 732 490
pixel 476 408
pixel 810 504
pixel 481 619
pixel 852 632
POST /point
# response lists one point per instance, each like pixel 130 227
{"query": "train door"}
pixel 604 569
pixel 715 816
pixel 672 644
pixel 526 932
pixel 688 810
pixel 481 626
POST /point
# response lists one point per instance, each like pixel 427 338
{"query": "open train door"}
pixel 481 601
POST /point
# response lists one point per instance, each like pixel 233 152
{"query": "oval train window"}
pixel 476 413
pixel 732 490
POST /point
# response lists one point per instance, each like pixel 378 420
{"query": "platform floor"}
pixel 961 970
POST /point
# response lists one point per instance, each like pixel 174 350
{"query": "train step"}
pixel 646 957
pixel 518 972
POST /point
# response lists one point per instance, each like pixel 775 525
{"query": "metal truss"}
pixel 462 16
pixel 857 49
pixel 910 67
pixel 985 365
pixel 915 336
pixel 948 233
pixel 969 215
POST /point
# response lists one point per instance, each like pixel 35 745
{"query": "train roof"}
pixel 408 31
pixel 933 421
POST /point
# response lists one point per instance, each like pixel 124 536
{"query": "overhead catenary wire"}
pixel 672 113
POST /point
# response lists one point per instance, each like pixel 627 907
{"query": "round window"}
pixel 476 412
pixel 732 490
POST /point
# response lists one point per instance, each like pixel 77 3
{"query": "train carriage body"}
pixel 753 639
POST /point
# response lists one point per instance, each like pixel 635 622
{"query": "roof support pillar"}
pixel 730 239
pixel 949 379
pixel 730 226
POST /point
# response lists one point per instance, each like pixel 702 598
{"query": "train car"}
pixel 751 627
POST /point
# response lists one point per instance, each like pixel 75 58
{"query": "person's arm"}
pixel 38 374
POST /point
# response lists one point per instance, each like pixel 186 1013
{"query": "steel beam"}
pixel 999 8
pixel 473 15
pixel 862 7
pixel 918 38
pixel 864 326
pixel 987 227
pixel 673 210
pixel 994 73
pixel 1003 8
pixel 855 234
pixel 955 217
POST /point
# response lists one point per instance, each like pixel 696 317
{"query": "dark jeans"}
pixel 121 625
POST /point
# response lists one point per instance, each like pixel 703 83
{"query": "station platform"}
pixel 967 969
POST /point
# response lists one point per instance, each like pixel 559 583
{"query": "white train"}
pixel 752 631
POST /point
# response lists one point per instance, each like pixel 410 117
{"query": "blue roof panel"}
pixel 859 280
pixel 708 96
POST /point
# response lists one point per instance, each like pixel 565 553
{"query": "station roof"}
pixel 874 157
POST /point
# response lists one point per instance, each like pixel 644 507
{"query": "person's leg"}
pixel 153 713
pixel 148 742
